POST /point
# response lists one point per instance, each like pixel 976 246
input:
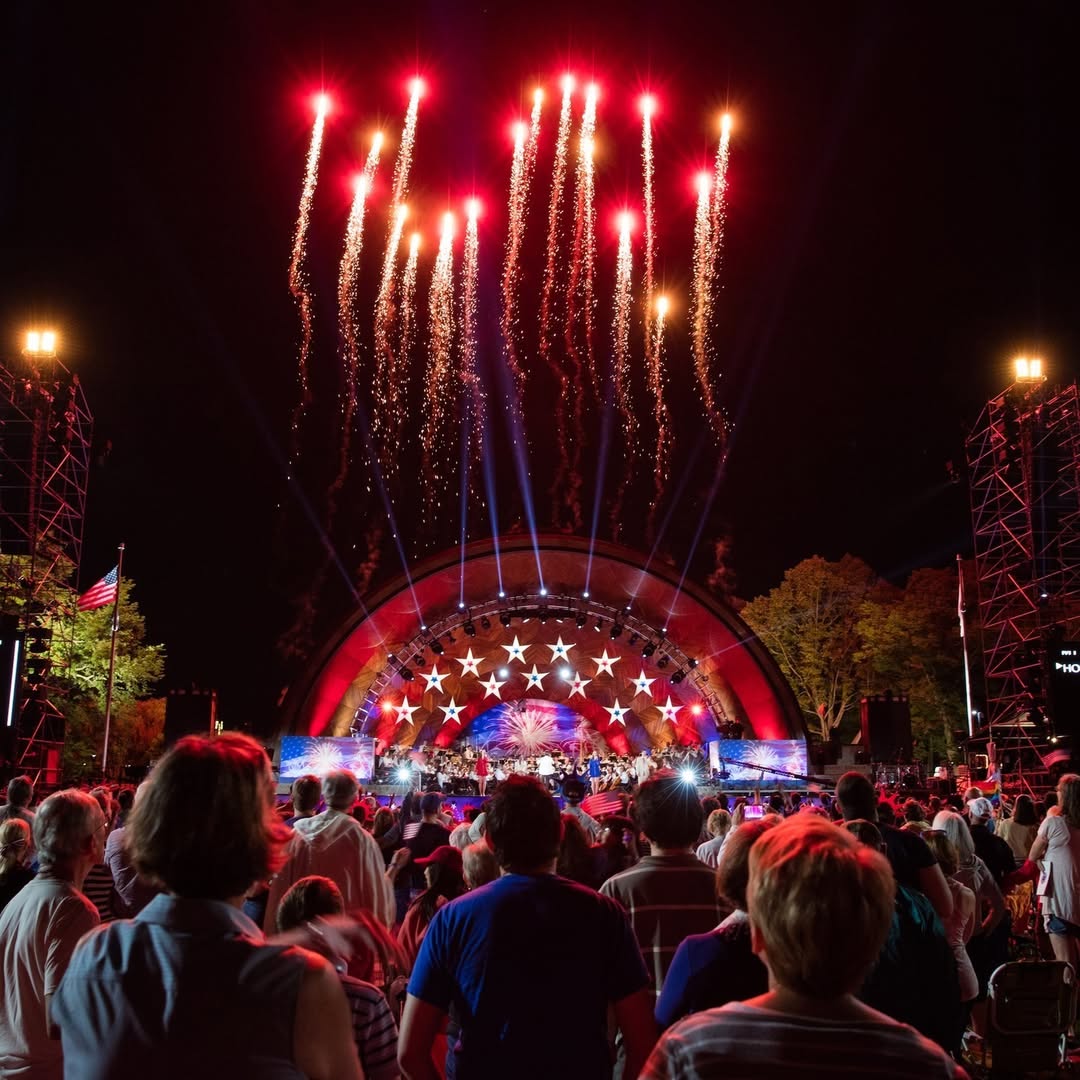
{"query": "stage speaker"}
pixel 886 726
pixel 189 712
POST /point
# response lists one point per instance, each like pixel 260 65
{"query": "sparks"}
pixel 469 375
pixel 298 284
pixel 648 107
pixel 517 205
pixel 661 414
pixel 702 299
pixel 439 378
pixel 621 335
pixel 717 211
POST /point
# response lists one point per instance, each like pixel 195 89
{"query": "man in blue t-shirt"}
pixel 487 956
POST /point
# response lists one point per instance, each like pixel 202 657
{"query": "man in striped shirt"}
pixel 669 894
pixel 820 908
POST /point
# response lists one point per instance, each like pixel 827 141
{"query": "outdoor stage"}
pixel 524 647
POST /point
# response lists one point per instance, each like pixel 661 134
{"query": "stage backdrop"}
pixel 747 761
pixel 302 754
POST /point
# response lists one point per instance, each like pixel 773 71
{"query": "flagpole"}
pixel 961 611
pixel 112 660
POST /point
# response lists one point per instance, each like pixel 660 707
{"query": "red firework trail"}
pixel 661 416
pixel 298 285
pixel 648 107
pixel 547 329
pixel 469 375
pixel 621 335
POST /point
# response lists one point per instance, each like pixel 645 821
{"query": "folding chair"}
pixel 1031 1008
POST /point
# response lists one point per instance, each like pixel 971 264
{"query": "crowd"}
pixel 193 926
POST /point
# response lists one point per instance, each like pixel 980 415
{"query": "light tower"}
pixel 45 446
pixel 1024 465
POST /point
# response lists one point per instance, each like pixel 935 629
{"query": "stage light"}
pixel 581 620
pixel 585 595
pixel 485 623
pixel 634 639
pixel 1028 369
pixel 436 647
pixel 504 618
pixel 404 775
pixel 543 615
pixel 662 662
pixel 616 630
pixel 599 624
pixel 40 343
pixel 418 658
pixel 566 674
pixel 697 710
pixel 470 629
pixel 406 674
pixel 387 705
pixel 423 626
pixel 502 595
pixel 688 776
pixel 461 605
pixel 692 663
pixel 648 649
pixel 503 673
pixel 543 590
pixel 678 677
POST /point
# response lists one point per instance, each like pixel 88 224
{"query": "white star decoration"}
pixel 433 680
pixel 617 713
pixel 470 665
pixel 515 651
pixel 603 663
pixel 669 711
pixel 404 711
pixel 642 684
pixel 491 687
pixel 559 651
pixel 577 685
pixel 452 711
pixel 536 678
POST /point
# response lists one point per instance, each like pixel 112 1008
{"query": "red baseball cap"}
pixel 447 855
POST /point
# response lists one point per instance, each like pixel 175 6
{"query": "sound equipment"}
pixel 189 712
pixel 886 726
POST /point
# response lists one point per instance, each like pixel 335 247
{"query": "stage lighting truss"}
pixel 544 607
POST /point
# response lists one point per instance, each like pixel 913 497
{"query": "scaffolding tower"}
pixel 45 447
pixel 1024 469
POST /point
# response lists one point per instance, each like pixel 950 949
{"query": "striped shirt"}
pixel 98 889
pixel 668 898
pixel 373 1029
pixel 745 1042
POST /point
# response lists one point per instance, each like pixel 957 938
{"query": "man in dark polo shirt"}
pixel 913 863
pixel 671 893
pixel 488 957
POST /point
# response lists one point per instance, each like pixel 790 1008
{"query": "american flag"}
pixel 104 592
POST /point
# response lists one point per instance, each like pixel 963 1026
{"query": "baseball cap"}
pixel 980 808
pixel 446 855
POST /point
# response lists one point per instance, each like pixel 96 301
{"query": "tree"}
pixel 913 646
pixel 811 624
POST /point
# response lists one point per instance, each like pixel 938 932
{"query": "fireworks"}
pixel 518 203
pixel 661 416
pixel 702 302
pixel 469 375
pixel 621 365
pixel 437 388
pixel 558 184
pixel 648 107
pixel 298 285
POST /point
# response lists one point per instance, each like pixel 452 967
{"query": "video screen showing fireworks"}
pixel 525 728
pixel 301 754
pixel 749 761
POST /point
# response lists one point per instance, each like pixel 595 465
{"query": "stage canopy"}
pixel 600 646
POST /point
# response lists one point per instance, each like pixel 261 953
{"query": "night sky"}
pixel 901 222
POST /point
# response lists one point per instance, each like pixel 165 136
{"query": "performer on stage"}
pixel 482 772
pixel 594 772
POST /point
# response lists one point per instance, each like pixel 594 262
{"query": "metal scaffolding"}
pixel 1024 467
pixel 45 447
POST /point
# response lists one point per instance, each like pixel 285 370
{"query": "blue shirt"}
pixel 507 960
pixel 187 988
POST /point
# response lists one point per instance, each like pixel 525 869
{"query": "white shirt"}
pixel 1063 856
pixel 39 929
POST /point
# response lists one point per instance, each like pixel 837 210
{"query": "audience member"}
pixel 39 930
pixel 20 794
pixel 306 791
pixel 573 792
pixel 717 827
pixel 478 947
pixel 1057 845
pixel 990 848
pixel 191 981
pixel 14 853
pixel 911 860
pixel 432 834
pixel 479 865
pixel 374 1030
pixel 670 893
pixel 617 850
pixel 445 881
pixel 334 845
pixel 820 908
pixel 98 886
pixel 712 969
pixel 131 892
pixel 1020 830
pixel 961 923
pixel 576 860
pixel 461 837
